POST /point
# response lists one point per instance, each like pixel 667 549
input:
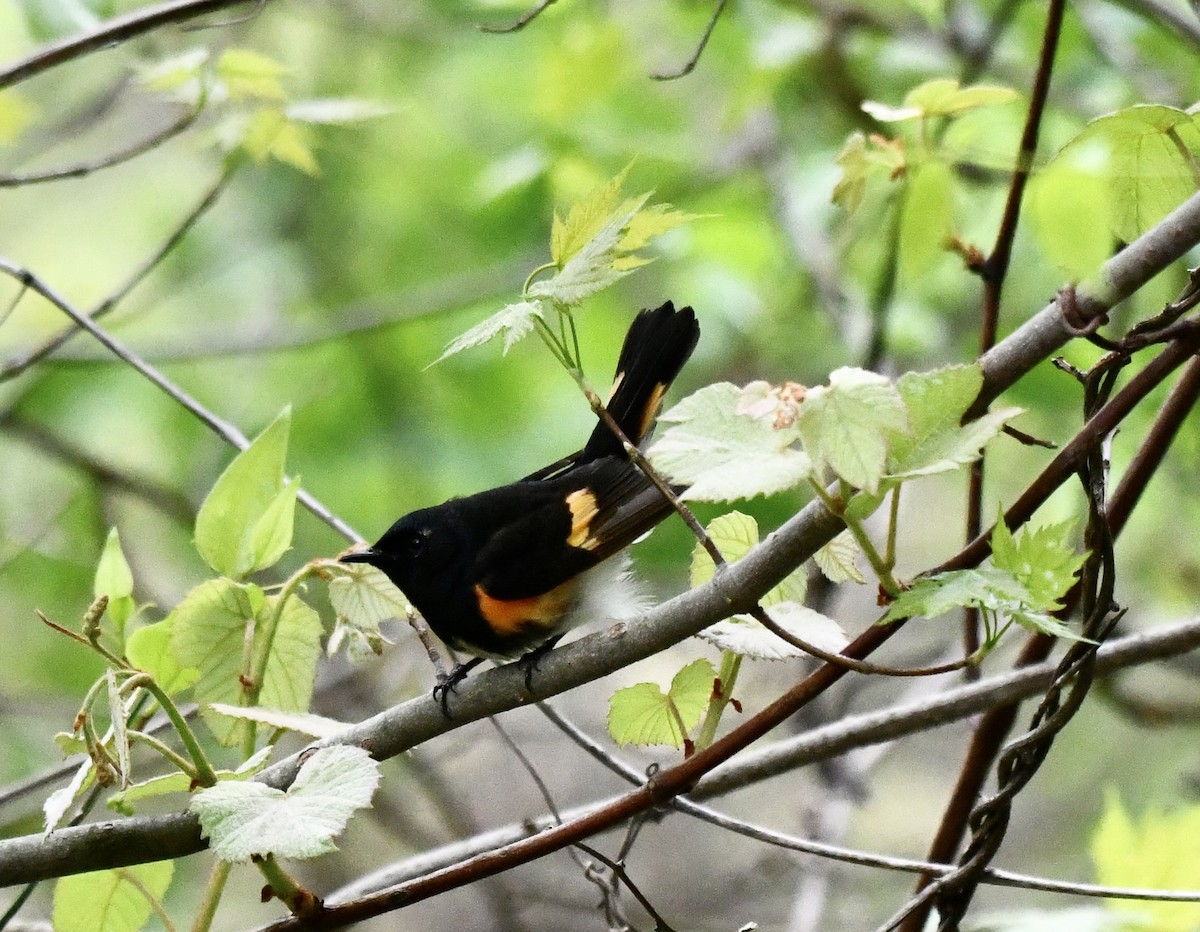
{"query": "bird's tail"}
pixel 656 347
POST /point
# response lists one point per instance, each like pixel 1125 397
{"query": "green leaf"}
pixel 304 723
pixel 856 168
pixel 115 580
pixel 269 134
pixel 1044 560
pixel 943 97
pixel 55 808
pixel 1069 211
pixel 939 441
pixel 926 219
pixel 231 533
pixel 514 322
pixel 210 629
pixel 149 649
pixel 251 74
pixel 362 599
pixel 182 783
pixel 110 900
pixel 242 820
pixel 595 265
pixel 1161 850
pixel 644 714
pixel 723 455
pixel 838 559
pixel 934 596
pixel 745 635
pixel 176 71
pixel 651 222
pixel 846 426
pixel 271 536
pixel 734 535
pixel 585 219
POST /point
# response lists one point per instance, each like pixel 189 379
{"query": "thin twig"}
pixel 107 34
pixel 222 428
pixel 690 65
pixel 522 21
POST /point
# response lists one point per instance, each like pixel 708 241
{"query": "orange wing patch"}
pixel 509 617
pixel 650 412
pixel 584 509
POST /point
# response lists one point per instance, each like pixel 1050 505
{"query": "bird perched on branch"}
pixel 505 573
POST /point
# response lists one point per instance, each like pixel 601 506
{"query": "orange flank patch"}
pixel 512 616
pixel 653 403
pixel 582 504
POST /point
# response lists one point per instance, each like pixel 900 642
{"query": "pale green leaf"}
pixel 734 535
pixel 743 634
pixel 242 820
pixel 593 266
pixel 852 160
pixel 250 74
pixel 723 455
pixel 650 222
pixel 362 599
pixel 943 97
pixel 175 71
pixel 585 219
pixel 269 134
pixel 513 322
pixel 939 441
pixel 227 521
pixel 55 808
pixel 926 219
pixel 271 536
pixel 1160 850
pixel 644 714
pixel 292 666
pixel 304 723
pixel 110 900
pixel 838 559
pixel 1043 559
pixel 149 649
pixel 847 425
pixel 115 580
pixel 1069 211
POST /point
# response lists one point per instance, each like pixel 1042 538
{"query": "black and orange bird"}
pixel 505 573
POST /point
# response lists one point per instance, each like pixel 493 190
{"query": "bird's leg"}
pixel 446 684
pixel 531 659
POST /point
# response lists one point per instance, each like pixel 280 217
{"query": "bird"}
pixel 503 574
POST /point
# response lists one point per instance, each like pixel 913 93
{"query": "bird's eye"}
pixel 415 543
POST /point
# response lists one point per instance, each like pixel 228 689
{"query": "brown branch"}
pixel 690 65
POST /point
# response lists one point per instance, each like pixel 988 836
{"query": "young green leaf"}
pixel 596 265
pixel 242 820
pixel 1161 850
pixel 110 900
pixel 304 723
pixel 210 627
pixel 644 714
pixel 250 74
pixel 723 455
pixel 177 782
pixel 176 71
pixel 55 808
pixel 1044 560
pixel 838 559
pixel 149 649
pixel 362 599
pixel 337 111
pixel 513 323
pixel 245 522
pixel 743 634
pixel 115 580
pixel 847 425
pixel 735 534
pixel 1069 213
pixel 939 441
pixel 926 218
pixel 585 219
pixel 269 134
pixel 944 96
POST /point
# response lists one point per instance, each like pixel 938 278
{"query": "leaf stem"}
pixel 722 694
pixel 879 564
pixel 205 774
pixel 155 904
pixel 212 896
pixel 298 898
pixel 185 765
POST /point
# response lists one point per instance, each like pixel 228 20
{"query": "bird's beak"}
pixel 366 555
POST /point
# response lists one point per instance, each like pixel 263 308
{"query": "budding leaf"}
pixel 644 714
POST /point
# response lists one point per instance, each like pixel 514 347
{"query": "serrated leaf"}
pixel 722 455
pixel 514 322
pixel 110 900
pixel 593 266
pixel 250 485
pixel 269 134
pixel 362 599
pixel 585 219
pixel 734 535
pixel 115 580
pixel 846 426
pixel 242 820
pixel 838 559
pixel 149 649
pixel 934 596
pixel 250 74
pixel 926 218
pixel 642 714
pixel 336 111
pixel 939 441
pixel 305 723
pixel 1160 850
pixel 1044 560
pixel 123 800
pixel 743 634
pixel 210 627
pixel 650 222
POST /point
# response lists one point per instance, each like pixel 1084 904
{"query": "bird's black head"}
pixel 421 554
